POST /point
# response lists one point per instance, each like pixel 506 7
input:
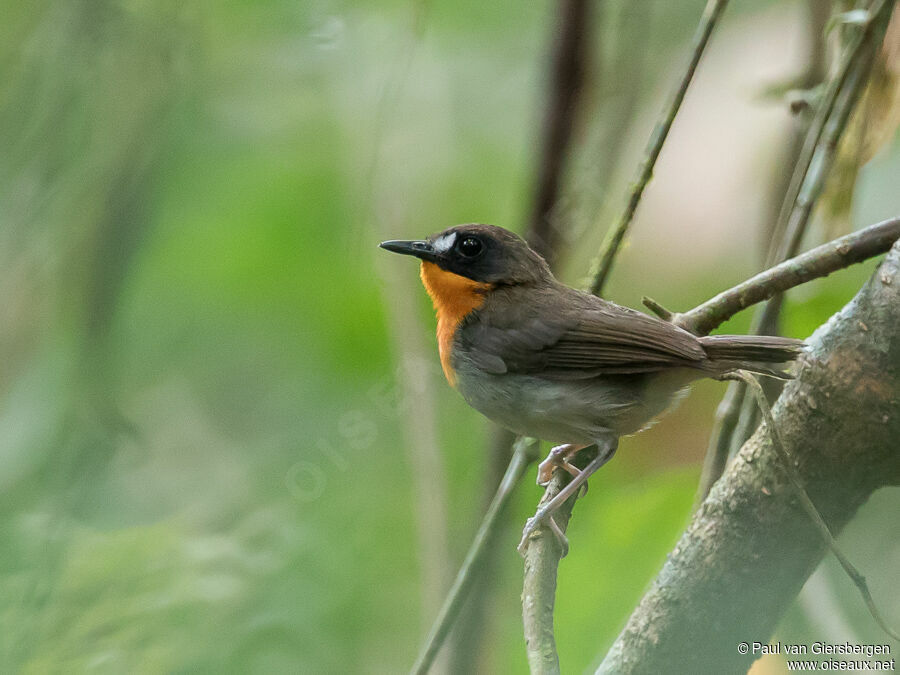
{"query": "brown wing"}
pixel 574 336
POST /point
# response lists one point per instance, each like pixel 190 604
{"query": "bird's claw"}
pixel 530 526
pixel 558 457
pixel 533 524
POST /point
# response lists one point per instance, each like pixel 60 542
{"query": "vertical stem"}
pixel 791 224
pixel 539 590
pixel 568 70
pixel 719 441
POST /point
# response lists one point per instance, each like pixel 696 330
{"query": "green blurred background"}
pixel 225 443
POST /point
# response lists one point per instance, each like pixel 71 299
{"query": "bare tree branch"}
pixel 750 547
pixel 788 466
pixel 819 262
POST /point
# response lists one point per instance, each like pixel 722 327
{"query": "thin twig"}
pixel 604 262
pixel 622 73
pixel 855 576
pixel 466 643
pixel 522 458
pixel 657 308
pixel 818 262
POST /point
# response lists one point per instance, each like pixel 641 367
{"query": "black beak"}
pixel 419 249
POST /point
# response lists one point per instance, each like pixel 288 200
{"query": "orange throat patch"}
pixel 454 296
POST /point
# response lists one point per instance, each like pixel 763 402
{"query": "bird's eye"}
pixel 470 246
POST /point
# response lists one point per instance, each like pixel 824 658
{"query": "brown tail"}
pixel 751 352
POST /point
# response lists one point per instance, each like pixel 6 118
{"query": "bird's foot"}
pixel 605 451
pixel 559 457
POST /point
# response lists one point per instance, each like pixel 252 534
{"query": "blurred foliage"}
pixel 200 429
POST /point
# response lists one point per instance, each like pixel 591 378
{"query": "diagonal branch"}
pixel 750 547
pixel 539 589
pixel 735 420
pixel 840 97
pixel 819 262
pixel 787 464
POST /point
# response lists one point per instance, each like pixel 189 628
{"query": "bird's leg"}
pixel 607 448
pixel 560 537
pixel 559 457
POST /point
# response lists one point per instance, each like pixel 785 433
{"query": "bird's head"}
pixel 485 254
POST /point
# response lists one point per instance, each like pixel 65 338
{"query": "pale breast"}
pixel 569 411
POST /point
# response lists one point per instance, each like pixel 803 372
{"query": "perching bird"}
pixel 545 360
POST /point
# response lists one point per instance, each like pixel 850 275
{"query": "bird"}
pixel 549 361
